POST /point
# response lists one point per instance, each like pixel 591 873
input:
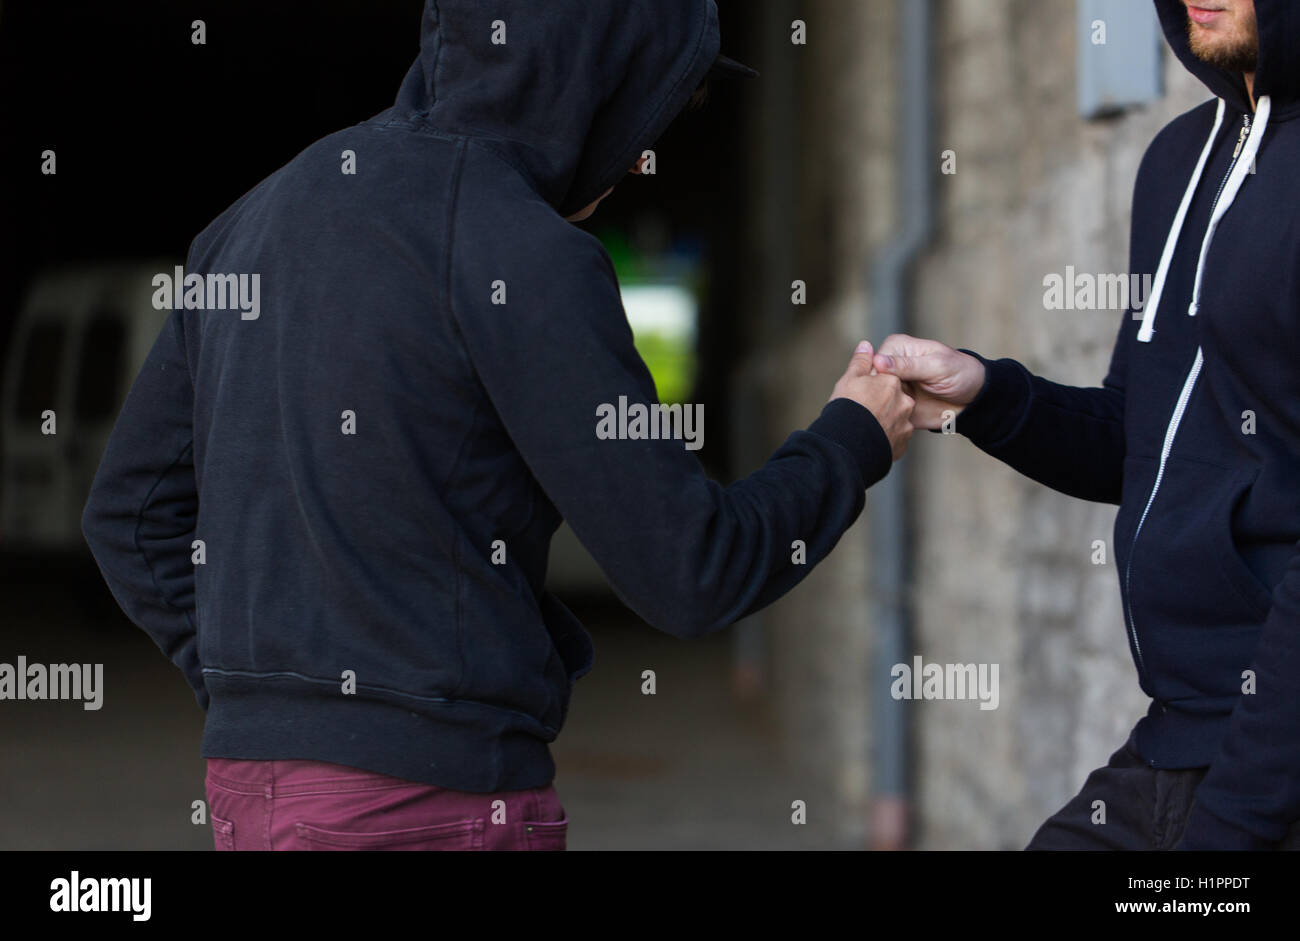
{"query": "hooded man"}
pixel 334 516
pixel 1195 434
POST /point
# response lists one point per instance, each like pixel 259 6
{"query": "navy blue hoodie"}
pixel 1195 433
pixel 376 463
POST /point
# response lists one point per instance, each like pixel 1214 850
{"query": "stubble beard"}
pixel 1233 54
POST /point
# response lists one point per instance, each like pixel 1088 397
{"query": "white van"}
pixel 82 334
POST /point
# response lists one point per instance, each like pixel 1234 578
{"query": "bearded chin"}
pixel 1238 57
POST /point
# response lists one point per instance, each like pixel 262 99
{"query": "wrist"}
pixel 995 414
pixel 974 376
pixel 852 425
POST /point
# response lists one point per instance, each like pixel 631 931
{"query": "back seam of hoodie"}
pixel 463 134
pixel 453 209
pixel 489 145
pixel 437 59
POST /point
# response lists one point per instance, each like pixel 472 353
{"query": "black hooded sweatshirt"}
pixel 375 465
pixel 1195 433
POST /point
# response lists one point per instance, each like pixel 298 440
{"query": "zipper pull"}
pixel 1241 141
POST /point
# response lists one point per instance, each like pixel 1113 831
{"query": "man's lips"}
pixel 1203 15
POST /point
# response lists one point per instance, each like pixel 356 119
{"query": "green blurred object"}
pixel 661 298
pixel 671 361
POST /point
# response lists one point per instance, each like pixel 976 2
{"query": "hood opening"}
pixel 569 92
pixel 1278 74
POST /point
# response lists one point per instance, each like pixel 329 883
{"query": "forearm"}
pixel 808 494
pixel 143 548
pixel 691 556
pixel 140 518
pixel 1067 438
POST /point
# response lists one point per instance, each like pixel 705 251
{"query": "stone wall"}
pixel 1004 569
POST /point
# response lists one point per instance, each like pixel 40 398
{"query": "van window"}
pixel 38 382
pixel 99 374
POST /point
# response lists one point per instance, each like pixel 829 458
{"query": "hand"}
pixel 941 378
pixel 883 396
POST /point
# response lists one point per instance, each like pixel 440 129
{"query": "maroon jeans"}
pixel 313 805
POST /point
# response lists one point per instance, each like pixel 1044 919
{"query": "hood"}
pixel 575 92
pixel 1278 75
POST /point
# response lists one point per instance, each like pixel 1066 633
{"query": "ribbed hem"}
pixel 458 745
pixel 855 429
pixel 1000 407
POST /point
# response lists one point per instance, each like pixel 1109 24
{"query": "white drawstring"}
pixel 1245 165
pixel 1167 257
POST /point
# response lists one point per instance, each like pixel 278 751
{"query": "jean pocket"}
pixel 456 836
pixel 546 835
pixel 223 833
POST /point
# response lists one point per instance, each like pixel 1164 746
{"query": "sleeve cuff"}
pixel 1205 831
pixel 999 409
pixel 855 429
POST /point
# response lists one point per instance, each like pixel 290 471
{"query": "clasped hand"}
pixel 910 384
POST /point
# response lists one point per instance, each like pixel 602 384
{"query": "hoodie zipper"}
pixel 1236 155
pixel 1171 431
pixel 1241 142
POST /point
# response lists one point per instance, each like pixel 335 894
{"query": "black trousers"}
pixel 1144 809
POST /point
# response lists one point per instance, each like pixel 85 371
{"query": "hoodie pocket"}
pixel 1181 567
pixel 1232 566
pixel 1139 478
